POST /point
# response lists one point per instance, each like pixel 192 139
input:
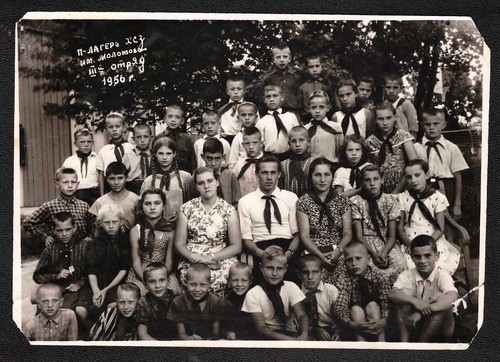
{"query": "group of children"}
pixel 121 284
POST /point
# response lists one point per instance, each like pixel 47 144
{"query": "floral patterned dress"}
pixel 318 228
pixel 394 164
pixel 207 234
pixel 389 208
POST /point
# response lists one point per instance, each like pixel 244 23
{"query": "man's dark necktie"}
pixel 433 145
pixel 280 127
pixel 84 161
pixel 248 162
pixel 267 211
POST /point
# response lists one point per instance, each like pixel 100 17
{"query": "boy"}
pixel 116 174
pixel 185 156
pixel 115 150
pixel 197 311
pixel 238 324
pixel 63 261
pixel 362 306
pixel 248 116
pixel 284 76
pixel 229 187
pixel 296 169
pixel 38 224
pixel 445 159
pixel 352 117
pixel 85 164
pixel 107 263
pixel 275 125
pixel 272 301
pixel 53 323
pixel 315 82
pixel 153 307
pixel 119 323
pixel 320 298
pixel 424 295
pixel 138 160
pixel 229 120
pixel 366 87
pixel 244 169
pixel 406 113
pixel 211 127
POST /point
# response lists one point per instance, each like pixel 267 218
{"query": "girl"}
pixel 390 147
pixel 151 240
pixel 208 231
pixel 422 212
pixel 375 216
pixel 324 217
pixel 353 158
pixel 167 177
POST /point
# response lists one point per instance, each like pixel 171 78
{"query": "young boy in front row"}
pixel 229 186
pixel 211 127
pixel 248 115
pixel 276 124
pixel 445 159
pixel 272 302
pixel 362 306
pixel 424 295
pixel 296 168
pixel 153 307
pixel 244 169
pixel 197 312
pixel 320 298
pixel 138 160
pixel 53 323
pixel 119 323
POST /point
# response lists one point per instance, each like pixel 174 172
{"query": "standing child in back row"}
pixel 248 115
pixel 406 113
pixel 229 121
pixel 211 128
pixel 138 160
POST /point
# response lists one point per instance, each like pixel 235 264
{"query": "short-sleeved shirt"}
pixel 229 122
pixel 107 155
pixel 251 214
pixel 62 327
pixel 437 282
pixel 127 204
pixel 149 310
pixel 359 116
pixel 323 143
pixel 275 142
pixel 453 160
pixel 406 115
pixel 342 177
pixel 237 151
pixel 326 297
pixel 87 174
pixel 256 301
pixel 132 160
pixel 248 181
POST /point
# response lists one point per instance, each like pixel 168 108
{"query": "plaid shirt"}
pixel 63 327
pixel 149 313
pixel 52 261
pixel 38 224
pixel 350 293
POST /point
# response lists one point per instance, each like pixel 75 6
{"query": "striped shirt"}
pixel 108 325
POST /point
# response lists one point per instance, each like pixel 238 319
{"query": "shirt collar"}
pixel 430 278
pixel 397 100
pixel 279 110
pixel 440 140
pixel 321 288
pixel 138 152
pixel 275 193
pixel 66 200
pixel 288 69
pixel 256 158
pixel 216 136
pixel 55 318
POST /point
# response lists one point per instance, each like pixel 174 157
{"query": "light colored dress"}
pixel 207 234
pixel 342 176
pixel 389 208
pixel 449 256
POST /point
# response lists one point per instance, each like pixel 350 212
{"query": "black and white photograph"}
pixel 250 180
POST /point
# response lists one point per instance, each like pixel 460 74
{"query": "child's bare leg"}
pixel 432 326
pixel 358 315
pixel 373 313
pixel 403 311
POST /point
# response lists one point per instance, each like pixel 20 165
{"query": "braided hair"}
pixel 164 141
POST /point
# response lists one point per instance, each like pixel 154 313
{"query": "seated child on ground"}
pixel 273 302
pixel 320 298
pixel 53 323
pixel 197 312
pixel 119 323
pixel 424 295
pixel 362 306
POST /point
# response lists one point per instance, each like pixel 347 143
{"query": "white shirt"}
pixel 256 301
pixel 274 142
pixel 127 204
pixel 237 150
pixel 359 116
pixel 453 160
pixel 251 213
pixel 132 160
pixel 323 143
pixel 198 149
pixel 326 298
pixel 107 155
pixel 249 181
pixel 437 282
pixel 91 175
pixel 230 125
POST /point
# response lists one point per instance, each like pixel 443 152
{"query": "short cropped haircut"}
pixel 151 267
pixel 367 79
pixel 372 168
pixel 209 113
pixel 116 168
pixel 174 106
pixel 250 131
pixel 110 209
pixel 129 287
pixel 354 243
pixel 198 268
pixel 82 132
pixel 296 129
pixel 115 115
pixel 272 87
pixel 240 266
pixel 213 145
pixel 418 162
pixel 65 171
pixel 423 240
pixel 140 127
pixel 274 252
pixel 42 287
pixel 319 94
pixel 62 216
pixel 308 258
pixel 235 78
pixel 201 170
pixel 355 139
pixel 311 56
pixel 384 106
pixel 393 76
pixel 348 82
pixel 433 112
pixel 281 45
pixel 247 104
pixel 267 158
